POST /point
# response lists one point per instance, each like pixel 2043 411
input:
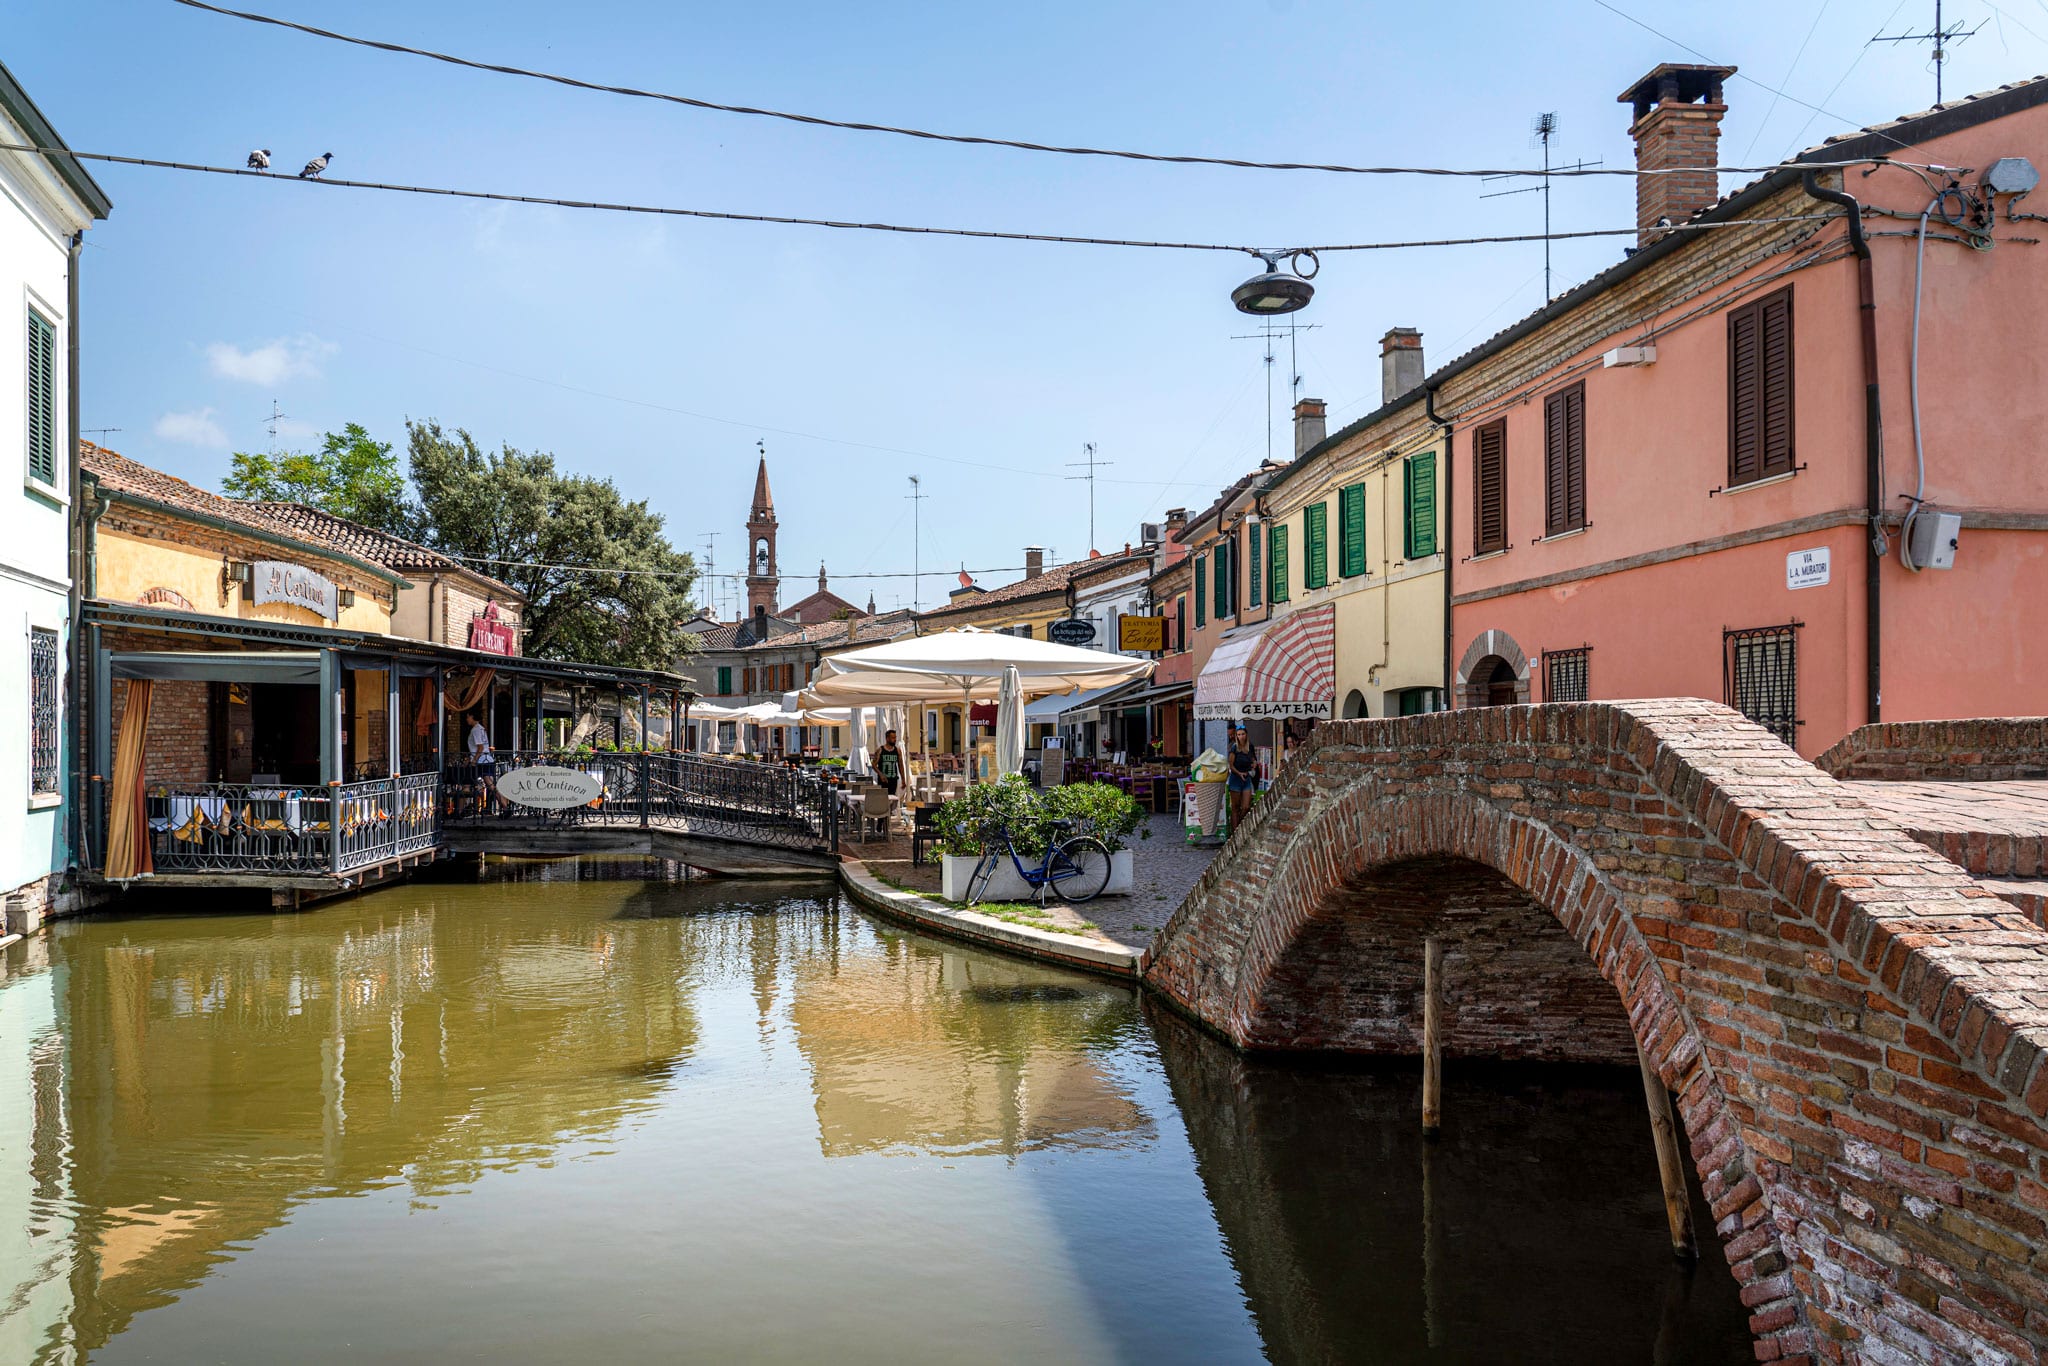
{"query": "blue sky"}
pixel 658 351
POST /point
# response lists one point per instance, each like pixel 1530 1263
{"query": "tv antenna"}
pixel 1542 129
pixel 1268 334
pixel 1941 35
pixel 1091 464
pixel 97 431
pixel 916 496
pixel 711 570
pixel 276 416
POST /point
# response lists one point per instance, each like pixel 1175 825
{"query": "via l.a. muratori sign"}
pixel 276 581
pixel 550 788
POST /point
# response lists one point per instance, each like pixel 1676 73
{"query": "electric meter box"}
pixel 1934 539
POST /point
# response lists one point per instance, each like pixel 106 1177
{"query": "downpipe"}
pixel 1443 547
pixel 1875 543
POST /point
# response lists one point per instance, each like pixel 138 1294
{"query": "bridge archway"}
pixel 1830 1003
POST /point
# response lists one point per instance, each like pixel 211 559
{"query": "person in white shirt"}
pixel 486 761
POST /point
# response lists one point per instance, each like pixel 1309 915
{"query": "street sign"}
pixel 1072 631
pixel 1141 633
pixel 1807 568
pixel 550 788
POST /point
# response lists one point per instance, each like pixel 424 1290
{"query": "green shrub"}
pixel 1099 809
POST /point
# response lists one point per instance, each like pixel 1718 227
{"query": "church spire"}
pixel 764 501
pixel 763 578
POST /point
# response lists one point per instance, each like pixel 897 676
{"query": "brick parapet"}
pixel 1853 1028
pixel 1987 749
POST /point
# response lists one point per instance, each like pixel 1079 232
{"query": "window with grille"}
pixel 1490 487
pixel 1418 476
pixel 1762 680
pixel 42 399
pixel 45 745
pixel 1760 389
pixel 1564 461
pixel 1564 675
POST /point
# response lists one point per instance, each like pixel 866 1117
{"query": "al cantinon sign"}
pixel 276 581
pixel 550 788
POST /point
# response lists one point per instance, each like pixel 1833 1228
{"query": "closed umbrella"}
pixel 1010 723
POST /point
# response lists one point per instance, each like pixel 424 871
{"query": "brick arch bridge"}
pixel 1852 1028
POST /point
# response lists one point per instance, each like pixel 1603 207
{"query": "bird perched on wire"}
pixel 259 160
pixel 316 166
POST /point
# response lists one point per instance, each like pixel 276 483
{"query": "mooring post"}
pixel 1432 1037
pixel 1664 1129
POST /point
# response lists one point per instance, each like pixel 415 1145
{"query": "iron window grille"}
pixel 1565 675
pixel 1761 676
pixel 45 742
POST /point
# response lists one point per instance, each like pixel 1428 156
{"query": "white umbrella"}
pixel 857 753
pixel 1010 723
pixel 973 660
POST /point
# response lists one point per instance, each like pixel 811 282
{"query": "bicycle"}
pixel 1075 868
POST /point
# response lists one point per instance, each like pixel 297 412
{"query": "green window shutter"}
pixel 1419 477
pixel 1253 568
pixel 1351 521
pixel 1316 530
pixel 42 399
pixel 1201 593
pixel 1276 564
pixel 1220 562
pixel 725 680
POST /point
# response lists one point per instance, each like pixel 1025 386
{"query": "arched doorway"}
pixel 1500 685
pixel 1494 672
pixel 1354 705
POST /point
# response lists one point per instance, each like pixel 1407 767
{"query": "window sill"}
pixel 48 492
pixel 1759 483
pixel 45 801
pixel 1564 535
pixel 1488 555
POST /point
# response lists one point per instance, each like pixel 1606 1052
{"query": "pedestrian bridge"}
pixel 1853 1027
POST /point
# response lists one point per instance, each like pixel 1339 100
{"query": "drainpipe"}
pixel 1874 545
pixel 1444 541
pixel 76 529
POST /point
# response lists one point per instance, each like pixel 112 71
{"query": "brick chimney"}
pixel 1678 112
pixel 1401 369
pixel 1034 561
pixel 1309 425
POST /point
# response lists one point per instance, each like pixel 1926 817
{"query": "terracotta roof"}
pixel 378 547
pixel 1053 580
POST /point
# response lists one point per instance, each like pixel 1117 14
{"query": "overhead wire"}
pixel 1777 95
pixel 853 125
pixel 697 573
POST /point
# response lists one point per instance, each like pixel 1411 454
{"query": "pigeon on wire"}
pixel 259 160
pixel 316 166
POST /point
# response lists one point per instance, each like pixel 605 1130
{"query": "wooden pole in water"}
pixel 1432 1037
pixel 1664 1129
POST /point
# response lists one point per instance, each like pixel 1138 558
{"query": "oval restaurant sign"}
pixel 1072 631
pixel 550 788
pixel 276 581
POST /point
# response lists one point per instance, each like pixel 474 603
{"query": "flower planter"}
pixel 955 869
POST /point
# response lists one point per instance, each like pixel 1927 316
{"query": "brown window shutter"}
pixel 1489 487
pixel 1760 389
pixel 1564 460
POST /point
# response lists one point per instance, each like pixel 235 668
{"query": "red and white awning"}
pixel 1286 668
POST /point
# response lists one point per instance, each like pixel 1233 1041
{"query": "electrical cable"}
pixel 985 233
pixel 1913 388
pixel 699 573
pixel 817 120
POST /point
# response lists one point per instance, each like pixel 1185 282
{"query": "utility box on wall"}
pixel 1932 543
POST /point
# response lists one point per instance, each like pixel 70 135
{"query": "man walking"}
pixel 888 764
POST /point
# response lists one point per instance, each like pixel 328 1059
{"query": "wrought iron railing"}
pixel 264 828
pixel 756 803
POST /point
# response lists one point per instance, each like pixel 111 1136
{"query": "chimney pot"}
pixel 1310 425
pixel 1034 561
pixel 1401 364
pixel 1677 131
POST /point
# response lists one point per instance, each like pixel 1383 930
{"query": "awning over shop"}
pixel 1152 697
pixel 219 666
pixel 1046 710
pixel 1286 668
pixel 1091 706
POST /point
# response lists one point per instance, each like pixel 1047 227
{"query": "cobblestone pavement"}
pixel 1166 869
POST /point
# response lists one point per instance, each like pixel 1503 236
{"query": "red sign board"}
pixel 490 633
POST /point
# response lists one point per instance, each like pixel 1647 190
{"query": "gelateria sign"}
pixel 550 788
pixel 276 581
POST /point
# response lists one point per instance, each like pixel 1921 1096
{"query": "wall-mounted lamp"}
pixel 346 597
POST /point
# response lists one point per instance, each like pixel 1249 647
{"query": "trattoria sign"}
pixel 276 581
pixel 550 788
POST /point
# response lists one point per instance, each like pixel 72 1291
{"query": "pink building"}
pixel 1700 474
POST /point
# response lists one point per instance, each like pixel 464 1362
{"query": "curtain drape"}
pixel 128 806
pixel 467 687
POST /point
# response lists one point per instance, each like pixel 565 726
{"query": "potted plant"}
pixel 1097 809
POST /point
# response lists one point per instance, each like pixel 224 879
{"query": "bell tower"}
pixel 762 579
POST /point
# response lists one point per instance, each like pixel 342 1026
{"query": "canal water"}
pixel 575 1112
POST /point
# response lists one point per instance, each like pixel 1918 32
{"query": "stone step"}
pixel 2029 894
pixel 1992 829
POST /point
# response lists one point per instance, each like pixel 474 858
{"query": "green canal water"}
pixel 567 1114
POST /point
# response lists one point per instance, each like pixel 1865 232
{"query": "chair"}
pixel 875 807
pixel 924 829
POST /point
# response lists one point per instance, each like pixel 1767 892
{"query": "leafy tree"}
pixel 512 510
pixel 350 476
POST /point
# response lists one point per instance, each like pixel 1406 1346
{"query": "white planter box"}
pixel 955 869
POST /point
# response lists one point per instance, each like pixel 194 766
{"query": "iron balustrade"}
pixel 755 803
pixel 266 828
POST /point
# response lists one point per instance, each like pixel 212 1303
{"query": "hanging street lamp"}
pixel 1276 290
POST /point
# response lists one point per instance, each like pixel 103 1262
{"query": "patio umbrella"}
pixel 1010 723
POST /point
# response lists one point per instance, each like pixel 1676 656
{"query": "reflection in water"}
pixel 546 1116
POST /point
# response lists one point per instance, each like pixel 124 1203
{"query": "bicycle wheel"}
pixel 1080 869
pixel 983 874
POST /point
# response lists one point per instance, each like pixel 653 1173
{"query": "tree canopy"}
pixel 349 476
pixel 510 511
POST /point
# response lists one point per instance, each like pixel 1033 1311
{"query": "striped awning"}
pixel 1285 668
